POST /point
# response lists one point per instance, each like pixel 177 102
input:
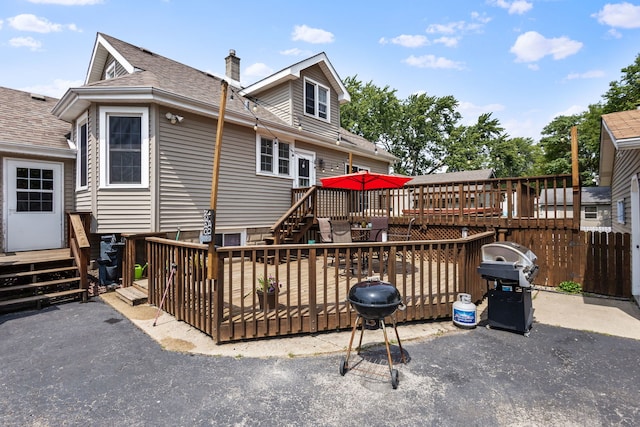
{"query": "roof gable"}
pixel 293 72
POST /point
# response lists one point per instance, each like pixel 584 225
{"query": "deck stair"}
pixel 37 279
pixel 136 294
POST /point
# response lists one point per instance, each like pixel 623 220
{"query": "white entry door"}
pixel 305 169
pixel 33 205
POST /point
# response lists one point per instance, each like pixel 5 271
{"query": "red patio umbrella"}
pixel 365 180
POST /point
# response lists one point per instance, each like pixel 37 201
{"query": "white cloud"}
pixel 56 89
pixel 28 22
pixel 447 41
pixel 407 40
pixel 258 70
pixel 295 52
pixel 517 7
pixel 453 31
pixel 431 61
pixel 574 109
pixel 29 42
pixel 620 15
pixel 68 2
pixel 1 22
pixel 311 35
pixel 532 46
pixel 522 128
pixel 470 112
pixel 614 33
pixel 450 28
pixel 593 74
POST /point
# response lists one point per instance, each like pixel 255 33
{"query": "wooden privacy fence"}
pixel 315 281
pixel 599 261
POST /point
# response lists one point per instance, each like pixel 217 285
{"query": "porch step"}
pixel 37 278
pixel 38 285
pixel 42 299
pixel 132 295
pixel 37 272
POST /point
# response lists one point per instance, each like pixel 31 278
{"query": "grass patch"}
pixel 570 287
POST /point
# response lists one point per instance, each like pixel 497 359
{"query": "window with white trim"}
pixel 316 100
pixel 620 206
pixel 274 157
pixel 590 212
pixel 82 159
pixel 124 147
pixel 110 72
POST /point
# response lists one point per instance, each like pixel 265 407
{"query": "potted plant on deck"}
pixel 267 287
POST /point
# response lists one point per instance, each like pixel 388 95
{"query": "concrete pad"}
pixel 587 313
pixel 601 315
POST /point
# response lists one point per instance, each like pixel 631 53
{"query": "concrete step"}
pixel 132 295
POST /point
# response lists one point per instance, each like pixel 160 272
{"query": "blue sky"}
pixel 525 61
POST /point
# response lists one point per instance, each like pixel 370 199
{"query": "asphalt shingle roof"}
pixel 25 119
pixel 623 124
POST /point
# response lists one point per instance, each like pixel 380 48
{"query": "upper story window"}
pixel 110 72
pixel 124 147
pixel 274 157
pixel 82 159
pixel 316 100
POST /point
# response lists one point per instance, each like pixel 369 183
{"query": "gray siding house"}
pixel 37 172
pixel 595 206
pixel 620 169
pixel 145 127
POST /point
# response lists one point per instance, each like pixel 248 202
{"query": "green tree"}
pixel 424 133
pixel 512 157
pixel 624 94
pixel 556 144
pixel 373 113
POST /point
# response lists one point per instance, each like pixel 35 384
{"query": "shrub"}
pixel 570 287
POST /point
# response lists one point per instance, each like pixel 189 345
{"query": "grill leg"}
pixel 395 328
pixel 386 343
pixel 353 333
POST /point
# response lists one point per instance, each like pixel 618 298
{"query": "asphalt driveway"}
pixel 86 364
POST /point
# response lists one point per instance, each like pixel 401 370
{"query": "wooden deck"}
pixel 315 283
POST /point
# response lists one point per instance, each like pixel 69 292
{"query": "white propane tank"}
pixel 464 311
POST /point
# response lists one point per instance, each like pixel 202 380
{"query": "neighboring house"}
pixel 595 206
pixel 620 169
pixel 595 209
pixel 146 129
pixel 37 163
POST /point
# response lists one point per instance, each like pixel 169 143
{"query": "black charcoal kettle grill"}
pixel 509 269
pixel 374 300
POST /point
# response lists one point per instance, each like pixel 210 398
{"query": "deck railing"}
pixel 315 283
pixel 531 202
pixel 78 226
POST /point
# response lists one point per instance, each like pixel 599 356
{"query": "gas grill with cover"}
pixel 511 268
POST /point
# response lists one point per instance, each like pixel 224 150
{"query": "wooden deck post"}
pixel 212 264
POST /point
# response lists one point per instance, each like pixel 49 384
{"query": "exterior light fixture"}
pixel 174 118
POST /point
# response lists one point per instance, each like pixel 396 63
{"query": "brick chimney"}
pixel 233 66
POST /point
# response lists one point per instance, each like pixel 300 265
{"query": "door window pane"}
pixel 35 190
